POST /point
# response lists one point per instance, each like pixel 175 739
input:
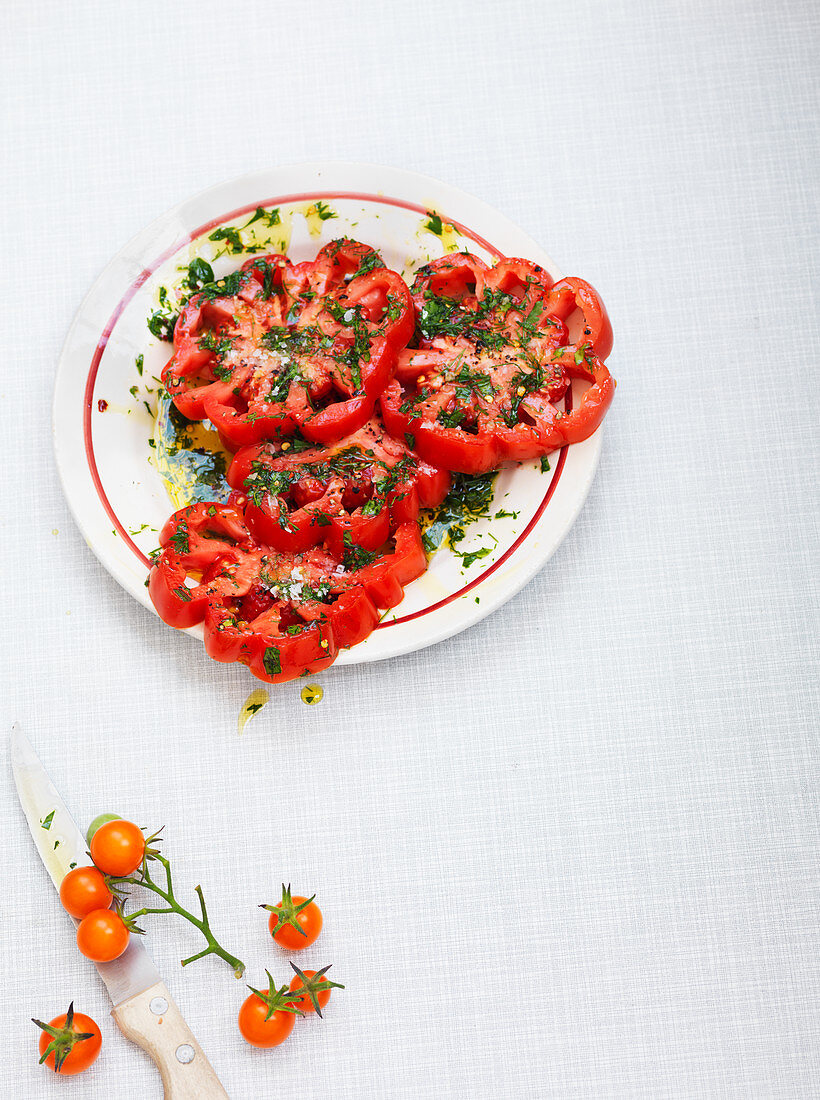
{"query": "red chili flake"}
pixel 102 404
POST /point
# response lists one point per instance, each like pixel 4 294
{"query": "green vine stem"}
pixel 143 878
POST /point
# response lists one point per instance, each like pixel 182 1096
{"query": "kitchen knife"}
pixel 143 1008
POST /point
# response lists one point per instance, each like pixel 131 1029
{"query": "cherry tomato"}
pixel 316 986
pixel 102 935
pixel 70 1043
pixel 295 922
pixel 117 847
pixel 83 890
pixel 262 1027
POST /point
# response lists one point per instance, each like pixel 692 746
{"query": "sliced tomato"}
pixel 362 486
pixel 274 347
pixel 492 356
pixel 211 322
pixel 285 614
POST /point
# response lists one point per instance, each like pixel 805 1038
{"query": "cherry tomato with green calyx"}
pixel 70 1043
pixel 266 1017
pixel 295 922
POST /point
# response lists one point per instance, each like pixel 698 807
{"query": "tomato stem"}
pixel 143 878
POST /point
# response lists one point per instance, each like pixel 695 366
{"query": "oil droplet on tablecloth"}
pixel 312 694
pixel 252 705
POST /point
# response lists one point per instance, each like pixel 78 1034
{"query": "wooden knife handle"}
pixel 153 1022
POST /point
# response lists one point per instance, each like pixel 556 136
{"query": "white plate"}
pixel 101 429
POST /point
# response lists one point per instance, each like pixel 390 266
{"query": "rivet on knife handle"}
pixel 153 1022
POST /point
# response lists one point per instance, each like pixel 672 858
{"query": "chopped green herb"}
pixel 161 324
pixel 180 539
pixel 469 499
pixel 222 288
pixel 269 217
pixel 45 823
pixel 468 559
pixel 324 211
pixel 272 661
pixel 450 419
pixel 198 274
pixel 530 322
pixel 355 557
pixel 434 224
pixel 371 262
pixel 229 234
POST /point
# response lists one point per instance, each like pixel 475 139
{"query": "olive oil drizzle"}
pixel 252 705
pixel 188 456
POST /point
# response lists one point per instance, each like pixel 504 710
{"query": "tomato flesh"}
pixel 493 359
pixel 277 346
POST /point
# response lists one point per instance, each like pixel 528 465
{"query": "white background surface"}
pixel 572 852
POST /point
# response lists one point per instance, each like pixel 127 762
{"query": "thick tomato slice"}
pixel 360 488
pixel 281 614
pixel 191 541
pixel 277 347
pixel 493 355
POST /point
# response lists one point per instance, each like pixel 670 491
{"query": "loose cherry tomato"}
pixel 83 890
pixel 117 847
pixel 70 1043
pixel 295 922
pixel 102 935
pixel 314 987
pixel 266 1017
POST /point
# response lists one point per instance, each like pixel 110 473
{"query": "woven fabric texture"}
pixel 571 852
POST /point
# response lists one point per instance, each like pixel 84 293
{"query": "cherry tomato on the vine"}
pixel 266 1017
pixel 83 890
pixel 102 935
pixel 117 847
pixel 295 922
pixel 70 1043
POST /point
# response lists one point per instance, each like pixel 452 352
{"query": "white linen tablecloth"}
pixel 571 852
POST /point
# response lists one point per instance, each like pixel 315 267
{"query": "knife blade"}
pixel 143 1008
